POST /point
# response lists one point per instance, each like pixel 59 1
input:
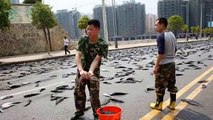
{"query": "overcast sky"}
pixel 86 6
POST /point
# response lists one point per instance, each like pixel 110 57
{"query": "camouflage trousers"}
pixel 166 79
pixel 80 96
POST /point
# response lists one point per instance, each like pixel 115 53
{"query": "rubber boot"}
pixel 172 101
pixel 159 103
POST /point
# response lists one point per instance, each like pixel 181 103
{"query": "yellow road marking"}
pixel 153 113
pixel 182 105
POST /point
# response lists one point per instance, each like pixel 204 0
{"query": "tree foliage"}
pixel 82 23
pixel 44 19
pixel 185 28
pixel 208 32
pixel 5 6
pixel 31 1
pixel 196 30
pixel 175 23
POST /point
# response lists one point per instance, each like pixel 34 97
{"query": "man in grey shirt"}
pixel 164 69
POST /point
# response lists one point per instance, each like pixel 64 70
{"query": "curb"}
pixel 69 55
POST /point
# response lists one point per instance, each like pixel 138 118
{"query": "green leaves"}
pixel 175 23
pixel 42 16
pixel 82 23
pixel 5 6
pixel 184 28
pixel 195 29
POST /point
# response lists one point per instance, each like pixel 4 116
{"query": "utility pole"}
pixel 114 24
pixel 211 19
pixel 201 19
pixel 105 22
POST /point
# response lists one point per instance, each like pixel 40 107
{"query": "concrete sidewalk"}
pixel 58 54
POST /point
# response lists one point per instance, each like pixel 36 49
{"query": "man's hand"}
pixel 91 73
pixel 85 74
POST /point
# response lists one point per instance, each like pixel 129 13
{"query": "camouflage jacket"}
pixel 89 52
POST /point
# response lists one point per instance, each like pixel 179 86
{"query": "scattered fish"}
pixel 117 93
pixel 6 97
pixel 106 112
pixel 31 94
pixel 116 100
pixel 202 81
pixel 56 91
pixel 28 103
pixel 105 82
pixel 191 102
pixel 149 89
pixel 8 105
pixel 60 99
pixel 42 89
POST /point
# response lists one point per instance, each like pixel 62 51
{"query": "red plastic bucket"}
pixel 116 110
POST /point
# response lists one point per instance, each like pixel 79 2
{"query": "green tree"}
pixel 5 6
pixel 195 30
pixel 82 23
pixel 44 19
pixel 211 33
pixel 205 31
pixel 175 23
pixel 185 29
pixel 31 1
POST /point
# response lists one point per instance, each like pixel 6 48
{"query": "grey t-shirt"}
pixel 166 43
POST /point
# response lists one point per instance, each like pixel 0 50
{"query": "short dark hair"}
pixel 162 21
pixel 94 22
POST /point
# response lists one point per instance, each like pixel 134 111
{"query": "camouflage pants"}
pixel 166 79
pixel 80 95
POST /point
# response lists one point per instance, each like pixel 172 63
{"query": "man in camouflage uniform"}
pixel 90 51
pixel 164 69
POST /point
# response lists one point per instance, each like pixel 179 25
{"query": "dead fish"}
pixel 60 99
pixel 117 93
pixel 8 105
pixel 109 78
pixel 179 74
pixel 105 82
pixel 189 62
pixel 149 89
pixel 87 108
pixel 15 86
pixel 7 97
pixel 119 67
pixel 28 103
pixel 105 102
pixel 31 95
pixel 25 83
pixel 202 81
pixel 52 97
pixel 1 110
pixel 191 102
pixel 116 100
pixel 63 87
pixel 42 89
pixel 106 112
pixel 119 81
pixel 53 76
pixel 56 91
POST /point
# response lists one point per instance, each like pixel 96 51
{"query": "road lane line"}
pixel 153 112
pixel 182 105
pixel 26 91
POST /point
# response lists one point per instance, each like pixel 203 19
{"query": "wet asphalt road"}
pixel 18 80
